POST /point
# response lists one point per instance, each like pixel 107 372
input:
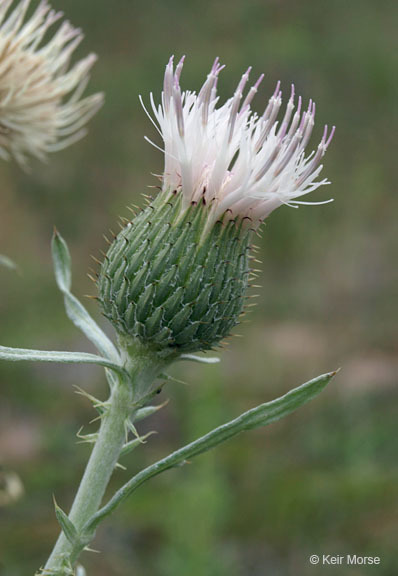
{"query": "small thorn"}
pixel 95 259
pixel 100 406
pixel 86 438
pixel 96 419
pixel 87 549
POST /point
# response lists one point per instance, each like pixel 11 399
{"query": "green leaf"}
pixel 74 308
pixel 67 526
pixel 22 354
pixel 62 262
pixel 256 417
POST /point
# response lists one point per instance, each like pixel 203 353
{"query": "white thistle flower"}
pixel 36 117
pixel 231 158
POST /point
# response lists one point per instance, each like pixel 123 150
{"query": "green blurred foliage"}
pixel 323 481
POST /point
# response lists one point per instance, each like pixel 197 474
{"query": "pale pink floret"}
pixel 235 160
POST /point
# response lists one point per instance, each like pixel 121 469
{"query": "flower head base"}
pixel 171 284
pixel 237 161
pixel 35 79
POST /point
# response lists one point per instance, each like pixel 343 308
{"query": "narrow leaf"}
pixel 255 418
pixel 74 308
pixel 200 359
pixel 67 526
pixel 62 262
pixel 23 354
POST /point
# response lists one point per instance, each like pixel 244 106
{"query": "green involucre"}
pixel 173 283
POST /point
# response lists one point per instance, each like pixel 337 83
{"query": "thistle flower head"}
pixel 232 158
pixel 41 109
pixel 175 278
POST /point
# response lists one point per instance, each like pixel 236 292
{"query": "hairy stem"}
pixel 101 464
pixel 132 388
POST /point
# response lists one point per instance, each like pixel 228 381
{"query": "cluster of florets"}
pixel 36 117
pixel 236 160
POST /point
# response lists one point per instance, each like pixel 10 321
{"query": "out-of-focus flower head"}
pixel 41 104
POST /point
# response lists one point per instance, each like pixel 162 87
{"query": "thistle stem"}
pixel 132 388
pixel 111 437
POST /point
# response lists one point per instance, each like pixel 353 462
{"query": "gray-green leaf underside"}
pixel 26 355
pixel 74 308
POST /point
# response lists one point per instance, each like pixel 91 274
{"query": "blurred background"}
pixel 324 480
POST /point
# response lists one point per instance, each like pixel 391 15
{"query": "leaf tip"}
pixel 333 374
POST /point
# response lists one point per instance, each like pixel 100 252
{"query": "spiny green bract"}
pixel 171 282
